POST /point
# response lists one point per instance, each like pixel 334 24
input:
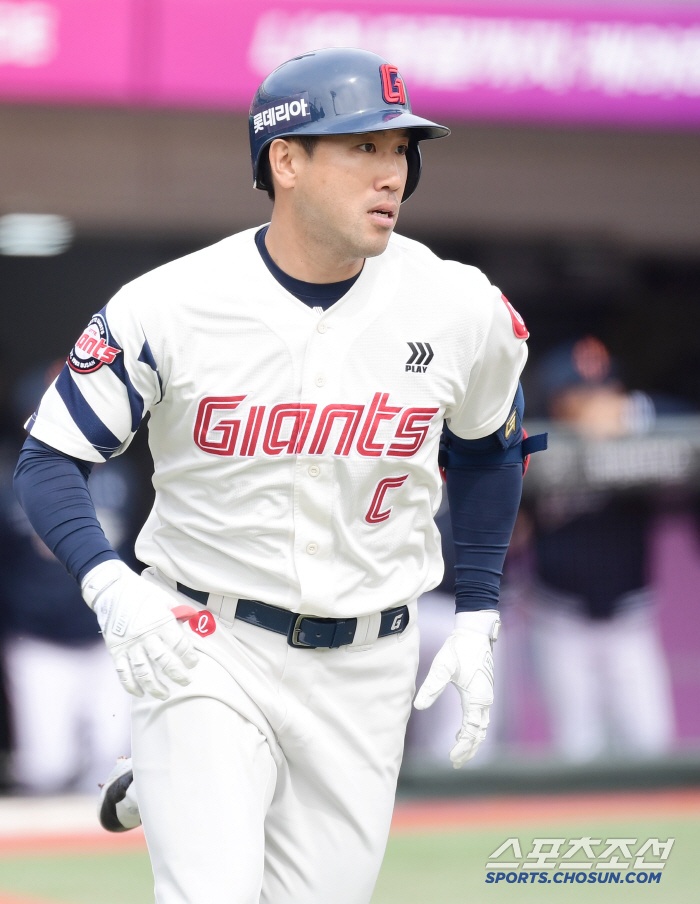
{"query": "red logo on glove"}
pixel 519 327
pixel 201 622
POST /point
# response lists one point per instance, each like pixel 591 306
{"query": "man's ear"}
pixel 284 156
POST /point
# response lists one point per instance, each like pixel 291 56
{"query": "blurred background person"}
pixel 7 429
pixel 69 715
pixel 596 645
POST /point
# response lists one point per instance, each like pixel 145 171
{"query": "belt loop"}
pixel 373 626
pixel 214 604
pixel 367 630
pixel 154 574
pixel 227 616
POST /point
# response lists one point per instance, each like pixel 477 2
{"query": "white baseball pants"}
pixel 607 683
pixel 270 779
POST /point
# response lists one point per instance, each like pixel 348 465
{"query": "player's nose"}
pixel 392 173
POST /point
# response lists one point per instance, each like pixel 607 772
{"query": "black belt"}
pixel 305 630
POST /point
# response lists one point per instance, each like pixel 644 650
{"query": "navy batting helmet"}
pixel 337 91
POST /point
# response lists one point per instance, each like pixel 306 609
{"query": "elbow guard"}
pixel 507 445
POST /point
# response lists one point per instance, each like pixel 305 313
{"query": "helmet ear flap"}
pixel 415 164
pixel 263 178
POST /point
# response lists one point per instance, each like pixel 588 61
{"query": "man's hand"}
pixel 466 660
pixel 141 633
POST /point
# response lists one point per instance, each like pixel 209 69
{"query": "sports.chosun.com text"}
pixel 560 878
pixel 558 861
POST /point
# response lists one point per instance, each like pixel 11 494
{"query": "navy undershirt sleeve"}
pixel 52 488
pixel 484 502
pixel 484 483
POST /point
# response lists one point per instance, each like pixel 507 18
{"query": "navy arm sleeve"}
pixel 52 488
pixel 484 483
pixel 484 503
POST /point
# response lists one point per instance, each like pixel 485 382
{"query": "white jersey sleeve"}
pixel 494 375
pixel 110 380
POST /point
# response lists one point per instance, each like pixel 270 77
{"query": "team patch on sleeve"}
pixel 519 327
pixel 93 349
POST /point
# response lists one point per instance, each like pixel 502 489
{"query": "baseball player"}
pixel 297 376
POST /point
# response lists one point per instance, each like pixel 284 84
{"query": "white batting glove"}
pixel 465 660
pixel 141 633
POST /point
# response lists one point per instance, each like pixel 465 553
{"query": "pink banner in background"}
pixel 587 63
pixel 66 50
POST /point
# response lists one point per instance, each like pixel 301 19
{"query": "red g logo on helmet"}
pixel 392 85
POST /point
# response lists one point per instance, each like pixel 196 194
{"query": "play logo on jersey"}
pixel 92 350
pixel 421 356
pixel 278 117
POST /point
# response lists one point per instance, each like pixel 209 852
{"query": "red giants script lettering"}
pixel 351 414
pixel 301 417
pixel 411 428
pixel 289 426
pixel 228 429
pixel 252 430
pixel 378 411
pixel 97 348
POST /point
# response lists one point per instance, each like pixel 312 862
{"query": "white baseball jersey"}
pixel 295 452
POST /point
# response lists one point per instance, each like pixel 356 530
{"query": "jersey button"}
pixel 312 548
pixel 320 381
pixel 314 470
pixel 322 327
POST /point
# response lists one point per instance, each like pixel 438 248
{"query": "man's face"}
pixel 596 412
pixel 348 193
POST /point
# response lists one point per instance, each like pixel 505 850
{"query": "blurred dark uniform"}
pixel 69 714
pixel 598 651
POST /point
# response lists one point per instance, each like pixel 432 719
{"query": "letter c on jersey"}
pixel 375 515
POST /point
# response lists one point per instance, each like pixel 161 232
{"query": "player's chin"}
pixel 377 237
